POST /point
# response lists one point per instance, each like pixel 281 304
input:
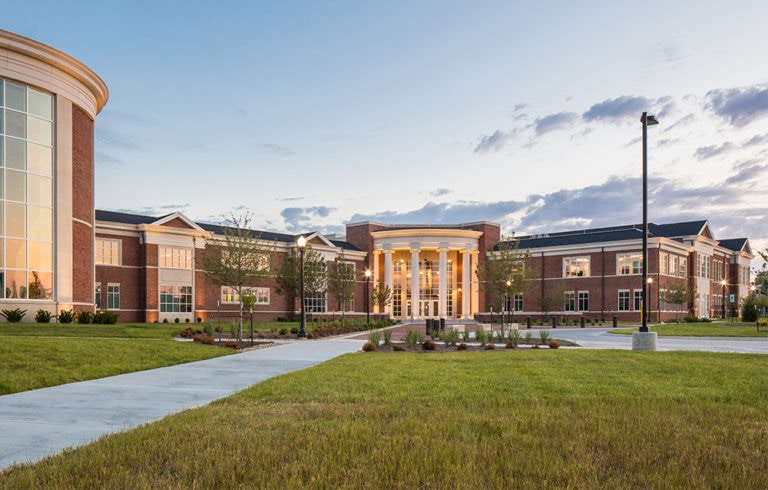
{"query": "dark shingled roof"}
pixel 611 234
pixel 735 244
pixel 137 219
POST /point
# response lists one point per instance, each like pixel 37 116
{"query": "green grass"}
pixel 38 355
pixel 509 419
pixel 701 330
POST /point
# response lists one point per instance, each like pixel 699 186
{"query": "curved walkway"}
pixel 39 423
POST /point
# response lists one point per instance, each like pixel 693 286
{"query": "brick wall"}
pixel 82 208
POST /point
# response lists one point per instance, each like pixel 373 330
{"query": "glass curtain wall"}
pixel 26 192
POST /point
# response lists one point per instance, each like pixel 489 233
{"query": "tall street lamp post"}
pixel 646 120
pixel 367 295
pixel 302 244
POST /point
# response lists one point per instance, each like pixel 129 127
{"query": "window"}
pixel 576 267
pixel 107 252
pixel 26 192
pixel 637 304
pixel 570 301
pixel 663 263
pixel 683 268
pixel 175 258
pixel 315 304
pixel 623 300
pixel 630 264
pixel 703 265
pixel 97 295
pixel 175 299
pixel 229 295
pixel 583 301
pixel 518 302
pixel 113 296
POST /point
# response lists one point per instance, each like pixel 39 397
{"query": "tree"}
pixel 679 293
pixel 237 258
pixel 505 272
pixel 288 274
pixel 341 282
pixel 554 300
pixel 381 295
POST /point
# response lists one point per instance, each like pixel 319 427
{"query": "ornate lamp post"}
pixel 302 244
pixel 367 295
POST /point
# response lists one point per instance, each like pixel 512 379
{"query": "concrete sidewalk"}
pixel 39 423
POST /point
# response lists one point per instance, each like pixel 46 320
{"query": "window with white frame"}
pixel 113 296
pixel 576 267
pixel 624 304
pixel 629 264
pixel 703 265
pixel 316 304
pixel 229 295
pixel 583 303
pixel 637 303
pixel 175 299
pixel 570 301
pixel 682 270
pixel 663 263
pixel 518 302
pixel 175 258
pixel 108 251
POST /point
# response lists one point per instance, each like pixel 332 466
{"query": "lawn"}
pixel 36 355
pixel 506 419
pixel 702 329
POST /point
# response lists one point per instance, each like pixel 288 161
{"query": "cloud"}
pixel 619 108
pixel 494 142
pixel 757 140
pixel 439 192
pixel 280 150
pixel 298 219
pixel 445 213
pixel 706 152
pixel 739 106
pixel 105 158
pixel 554 122
pixel 748 174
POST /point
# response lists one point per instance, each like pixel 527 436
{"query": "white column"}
pixel 466 291
pixel 443 284
pixel 475 300
pixel 415 281
pixel 375 276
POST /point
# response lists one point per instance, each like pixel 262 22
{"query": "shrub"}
pixel 462 346
pixel 199 319
pixel 428 344
pixel 374 337
pixel 186 320
pixel 388 336
pixel 105 318
pixel 481 336
pixel 84 317
pixel 175 320
pixel 369 347
pixel 398 348
pixel 554 344
pixel 66 316
pixel 43 316
pixel 511 344
pixel 528 337
pixel 413 337
pixel 294 330
pixel 450 337
pixel 544 336
pixel 204 339
pixel 13 316
pixel 490 346
pixel 284 331
pixel 189 333
pixel 231 343
pixel 749 309
pixel 514 336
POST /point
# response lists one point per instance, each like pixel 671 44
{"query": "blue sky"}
pixel 313 114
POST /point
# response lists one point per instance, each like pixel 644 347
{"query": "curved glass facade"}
pixel 26 192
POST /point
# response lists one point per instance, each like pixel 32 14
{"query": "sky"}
pixel 313 114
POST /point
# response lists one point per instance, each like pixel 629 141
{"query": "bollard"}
pixel 615 322
pixel 442 324
pixel 554 322
pixel 582 322
pixel 528 321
